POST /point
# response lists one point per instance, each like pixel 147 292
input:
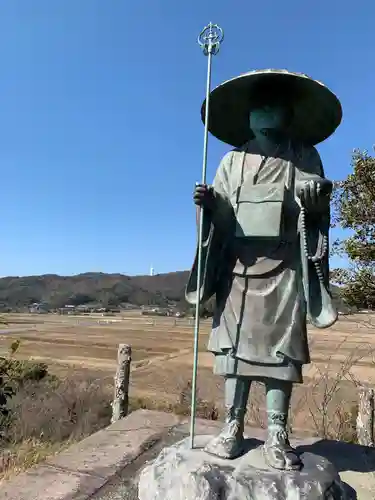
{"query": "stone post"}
pixel 120 402
pixel 365 418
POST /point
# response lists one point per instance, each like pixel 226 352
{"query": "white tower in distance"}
pixel 151 271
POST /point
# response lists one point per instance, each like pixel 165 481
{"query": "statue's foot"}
pixel 229 443
pixel 278 452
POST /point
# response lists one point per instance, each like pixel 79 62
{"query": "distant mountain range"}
pixel 105 290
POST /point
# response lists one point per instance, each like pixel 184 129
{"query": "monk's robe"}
pixel 255 263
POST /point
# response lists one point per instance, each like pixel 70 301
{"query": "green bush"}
pixel 17 372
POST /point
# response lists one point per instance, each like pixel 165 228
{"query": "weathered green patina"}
pixel 266 224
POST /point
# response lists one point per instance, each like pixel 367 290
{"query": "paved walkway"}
pixel 105 466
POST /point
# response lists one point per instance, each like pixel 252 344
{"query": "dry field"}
pixel 342 357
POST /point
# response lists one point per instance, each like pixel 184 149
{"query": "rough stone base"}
pixel 180 473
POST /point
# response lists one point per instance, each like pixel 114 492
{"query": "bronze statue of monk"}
pixel 265 253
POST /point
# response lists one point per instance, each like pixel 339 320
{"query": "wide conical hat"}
pixel 317 111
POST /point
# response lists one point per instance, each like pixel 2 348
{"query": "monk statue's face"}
pixel 269 124
pixel 267 118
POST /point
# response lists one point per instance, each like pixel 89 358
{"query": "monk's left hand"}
pixel 315 194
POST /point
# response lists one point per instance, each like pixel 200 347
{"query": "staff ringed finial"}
pixel 210 39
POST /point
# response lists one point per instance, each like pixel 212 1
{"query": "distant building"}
pixel 38 308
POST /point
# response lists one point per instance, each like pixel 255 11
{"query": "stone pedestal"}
pixel 179 473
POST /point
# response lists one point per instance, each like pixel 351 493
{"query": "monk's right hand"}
pixel 204 196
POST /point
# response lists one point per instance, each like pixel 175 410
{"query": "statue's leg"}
pixel 229 443
pixel 278 452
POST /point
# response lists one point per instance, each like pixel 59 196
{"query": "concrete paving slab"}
pixel 109 450
pixel 124 485
pixel 104 453
pixel 48 483
pixel 146 419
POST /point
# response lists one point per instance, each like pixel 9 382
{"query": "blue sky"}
pixel 101 139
